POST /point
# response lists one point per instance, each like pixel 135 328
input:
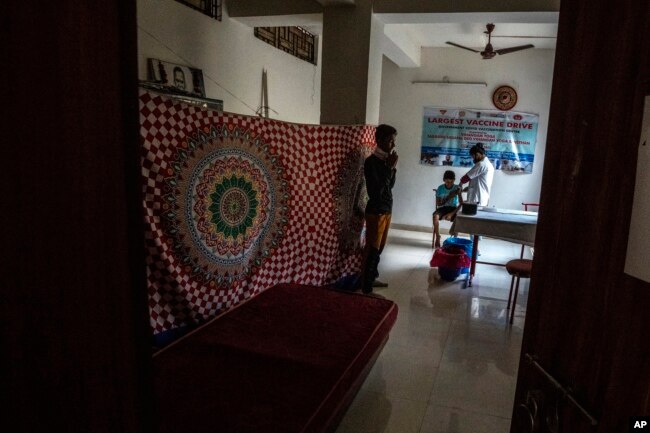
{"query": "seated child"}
pixel 448 201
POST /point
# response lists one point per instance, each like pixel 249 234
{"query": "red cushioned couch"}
pixel 290 359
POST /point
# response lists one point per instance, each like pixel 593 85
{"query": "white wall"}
pixel 530 72
pixel 373 97
pixel 231 58
pixel 636 260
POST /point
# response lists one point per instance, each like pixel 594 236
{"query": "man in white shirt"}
pixel 479 177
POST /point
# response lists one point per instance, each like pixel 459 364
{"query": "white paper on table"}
pixel 638 245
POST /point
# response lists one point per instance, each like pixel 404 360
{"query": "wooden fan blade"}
pixel 513 49
pixel 460 46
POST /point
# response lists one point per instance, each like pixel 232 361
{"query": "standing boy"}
pixel 379 170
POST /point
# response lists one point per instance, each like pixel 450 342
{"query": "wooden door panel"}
pixel 74 332
pixel 587 322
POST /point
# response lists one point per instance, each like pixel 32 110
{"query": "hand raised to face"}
pixel 391 161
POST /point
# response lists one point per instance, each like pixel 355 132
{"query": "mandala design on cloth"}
pixel 350 198
pixel 228 205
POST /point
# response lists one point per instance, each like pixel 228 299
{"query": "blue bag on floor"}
pixel 347 283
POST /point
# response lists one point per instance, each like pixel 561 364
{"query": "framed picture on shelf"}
pixel 177 78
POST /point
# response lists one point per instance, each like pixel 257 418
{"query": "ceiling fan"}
pixel 490 52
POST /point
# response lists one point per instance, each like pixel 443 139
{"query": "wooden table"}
pixel 506 224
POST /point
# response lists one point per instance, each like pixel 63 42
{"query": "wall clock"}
pixel 504 98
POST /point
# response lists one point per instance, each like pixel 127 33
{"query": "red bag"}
pixel 450 257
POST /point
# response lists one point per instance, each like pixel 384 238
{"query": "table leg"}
pixel 474 256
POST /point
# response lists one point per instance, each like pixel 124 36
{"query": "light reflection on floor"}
pixel 450 364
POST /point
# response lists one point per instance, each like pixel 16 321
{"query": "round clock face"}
pixel 504 98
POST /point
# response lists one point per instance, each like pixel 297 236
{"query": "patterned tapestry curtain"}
pixel 235 204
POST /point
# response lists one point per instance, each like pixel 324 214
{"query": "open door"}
pixel 585 357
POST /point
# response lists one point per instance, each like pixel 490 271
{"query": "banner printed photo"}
pixel 508 137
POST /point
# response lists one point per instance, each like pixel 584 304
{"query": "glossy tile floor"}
pixel 450 364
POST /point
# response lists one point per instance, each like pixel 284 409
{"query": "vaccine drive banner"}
pixel 508 137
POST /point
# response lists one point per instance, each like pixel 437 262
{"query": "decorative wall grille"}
pixel 211 8
pixel 293 40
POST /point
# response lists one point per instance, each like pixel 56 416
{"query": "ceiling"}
pixel 434 29
pixel 407 33
pixel 472 35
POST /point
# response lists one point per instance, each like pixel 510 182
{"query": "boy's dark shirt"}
pixel 380 180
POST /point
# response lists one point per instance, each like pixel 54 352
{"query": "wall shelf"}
pixel 214 104
pixel 452 83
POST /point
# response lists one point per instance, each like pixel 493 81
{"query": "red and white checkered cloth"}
pixel 308 252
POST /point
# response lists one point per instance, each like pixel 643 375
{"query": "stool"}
pixel 519 268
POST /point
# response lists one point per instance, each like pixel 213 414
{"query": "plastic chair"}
pixel 518 268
